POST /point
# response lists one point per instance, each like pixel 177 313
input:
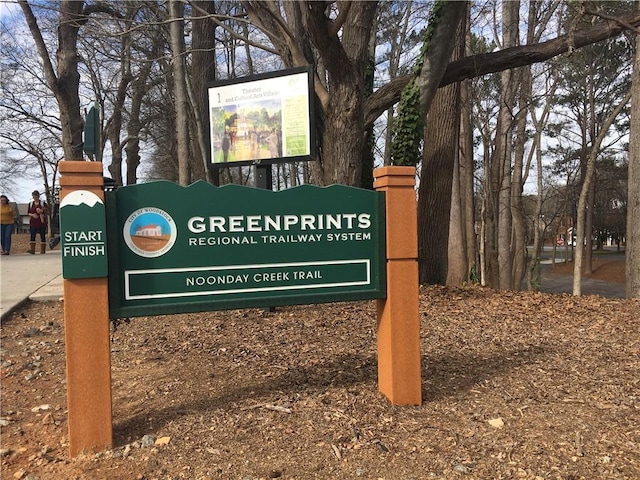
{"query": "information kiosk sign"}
pixel 184 249
pixel 262 119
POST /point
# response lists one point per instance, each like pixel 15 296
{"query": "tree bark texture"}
pixel 467 175
pixel 498 195
pixel 114 126
pixel 346 62
pixel 587 266
pixel 64 82
pixel 203 66
pixel 133 131
pixel 441 137
pixel 518 246
pixel 438 53
pixel 462 250
pixel 632 254
pixel 457 271
pixel 69 78
pixel 176 30
pixel 434 192
pixel 504 154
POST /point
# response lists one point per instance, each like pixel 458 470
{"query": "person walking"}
pixel 273 143
pixel 226 144
pixel 38 212
pixel 7 220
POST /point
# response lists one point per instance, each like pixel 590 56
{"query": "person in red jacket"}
pixel 38 212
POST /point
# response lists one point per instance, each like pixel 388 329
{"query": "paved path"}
pixel 39 277
pixel 24 276
pixel 554 283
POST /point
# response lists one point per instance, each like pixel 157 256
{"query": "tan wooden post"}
pixel 399 376
pixel 86 320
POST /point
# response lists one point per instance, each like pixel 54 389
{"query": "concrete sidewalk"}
pixel 24 276
pixel 554 283
pixel 564 284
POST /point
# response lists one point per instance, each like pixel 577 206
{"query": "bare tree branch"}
pixel 482 64
pixel 335 27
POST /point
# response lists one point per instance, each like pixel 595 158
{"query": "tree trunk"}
pixel 438 52
pixel 203 65
pixel 457 266
pixel 584 194
pixel 115 125
pixel 519 241
pixel 434 192
pixel 483 244
pixel 133 132
pixel 533 272
pixel 632 252
pixel 368 149
pixel 462 237
pixel 436 175
pixel 346 61
pixel 504 148
pixel 505 259
pixel 342 140
pixel 339 109
pixel 65 82
pixel 498 194
pixel 587 267
pixel 176 29
pixel 467 170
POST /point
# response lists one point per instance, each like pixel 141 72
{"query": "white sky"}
pixel 8 7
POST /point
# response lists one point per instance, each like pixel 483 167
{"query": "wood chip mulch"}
pixel 515 386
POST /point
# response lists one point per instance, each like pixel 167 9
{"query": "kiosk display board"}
pixel 179 249
pixel 261 119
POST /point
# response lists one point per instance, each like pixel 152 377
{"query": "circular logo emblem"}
pixel 149 232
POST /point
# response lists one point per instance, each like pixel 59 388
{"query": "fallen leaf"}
pixel 336 452
pixel 41 408
pixel 496 422
pixel 278 408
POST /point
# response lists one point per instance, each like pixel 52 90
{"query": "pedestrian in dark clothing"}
pixel 38 212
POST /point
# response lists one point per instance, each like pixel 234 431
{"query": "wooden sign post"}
pixel 86 271
pixel 399 375
pixel 86 324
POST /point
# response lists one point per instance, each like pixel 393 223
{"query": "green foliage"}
pixel 536 278
pixel 474 274
pixel 408 128
pixel 434 18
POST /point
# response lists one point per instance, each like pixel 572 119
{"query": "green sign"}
pixel 92 133
pixel 198 248
pixel 83 233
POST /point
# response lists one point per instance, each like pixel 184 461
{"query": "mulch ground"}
pixel 515 386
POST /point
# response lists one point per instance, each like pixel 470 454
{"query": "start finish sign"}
pixel 179 249
pixel 83 234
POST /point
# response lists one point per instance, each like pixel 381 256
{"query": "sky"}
pixel 7 7
pixel 20 190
